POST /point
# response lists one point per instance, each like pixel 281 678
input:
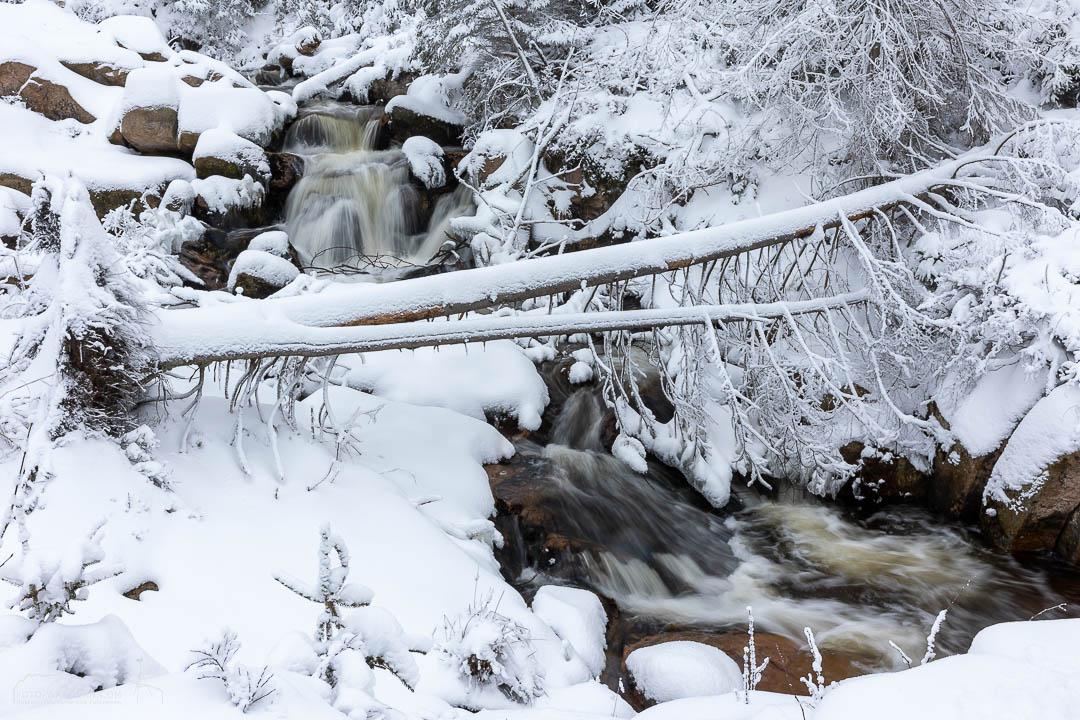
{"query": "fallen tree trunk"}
pixel 191 335
pixel 277 339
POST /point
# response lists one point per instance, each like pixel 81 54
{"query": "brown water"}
pixel 669 561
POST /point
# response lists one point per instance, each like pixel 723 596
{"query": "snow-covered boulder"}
pixel 1034 490
pixel 426 110
pixel 682 669
pixel 150 121
pixel 275 242
pixel 259 274
pixel 222 152
pixel 425 161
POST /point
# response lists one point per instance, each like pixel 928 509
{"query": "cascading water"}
pixel 670 561
pixel 354 206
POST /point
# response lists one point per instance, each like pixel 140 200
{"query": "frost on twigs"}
pixel 46 585
pixel 488 649
pixel 751 671
pixel 346 647
pixel 217 661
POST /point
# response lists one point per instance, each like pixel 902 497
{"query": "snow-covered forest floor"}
pixel 540 359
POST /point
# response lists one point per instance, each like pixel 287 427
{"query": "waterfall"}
pixel 355 206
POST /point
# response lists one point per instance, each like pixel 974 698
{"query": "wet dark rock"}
pixel 958 481
pixel 882 480
pixel 404 123
pixel 286 169
pixel 384 90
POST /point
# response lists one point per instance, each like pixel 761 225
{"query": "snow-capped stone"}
pixel 275 242
pixel 258 274
pixel 682 669
pixel 222 152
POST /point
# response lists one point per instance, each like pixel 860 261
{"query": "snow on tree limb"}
pixel 197 334
pixel 272 337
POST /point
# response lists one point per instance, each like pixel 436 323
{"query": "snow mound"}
pixel 682 669
pixel 425 160
pixel 275 242
pixel 983 416
pixel 475 380
pixel 578 617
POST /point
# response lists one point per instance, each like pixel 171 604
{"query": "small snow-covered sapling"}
pixel 48 584
pixel 367 634
pixel 751 671
pixel 217 661
pixel 332 591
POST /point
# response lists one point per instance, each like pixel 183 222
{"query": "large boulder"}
pixel 406 122
pixel 259 274
pixel 43 96
pixel 222 152
pixel 150 119
pixel 1034 490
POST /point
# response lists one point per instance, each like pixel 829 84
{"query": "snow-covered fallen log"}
pixel 274 337
pixel 190 335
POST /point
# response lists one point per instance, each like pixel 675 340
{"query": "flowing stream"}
pixel 671 562
pixel 648 542
pixel 355 206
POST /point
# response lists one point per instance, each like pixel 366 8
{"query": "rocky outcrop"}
pixel 40 95
pixel 958 481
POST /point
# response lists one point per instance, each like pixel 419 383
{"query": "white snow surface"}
pixel 271 241
pixel 682 669
pixel 495 378
pixel 32 145
pixel 578 617
pixel 984 415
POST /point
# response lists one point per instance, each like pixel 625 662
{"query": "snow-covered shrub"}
pixel 82 326
pixel 488 649
pixel 47 583
pixel 346 647
pixel 217 27
pixel 217 661
pixel 149 243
